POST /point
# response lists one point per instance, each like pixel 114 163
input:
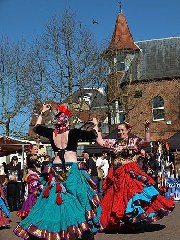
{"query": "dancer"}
pixel 32 182
pixel 129 193
pixel 68 206
pixel 4 211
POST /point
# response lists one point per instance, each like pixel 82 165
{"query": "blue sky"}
pixel 147 19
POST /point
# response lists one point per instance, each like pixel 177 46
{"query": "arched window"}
pixel 158 108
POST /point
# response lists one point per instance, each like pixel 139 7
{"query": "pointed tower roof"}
pixel 122 38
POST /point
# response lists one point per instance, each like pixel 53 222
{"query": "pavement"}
pixel 167 228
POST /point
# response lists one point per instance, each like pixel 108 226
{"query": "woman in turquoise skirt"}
pixel 68 207
pixel 4 211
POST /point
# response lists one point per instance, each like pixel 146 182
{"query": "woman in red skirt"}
pixel 130 195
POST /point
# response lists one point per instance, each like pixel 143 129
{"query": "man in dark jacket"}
pixel 14 175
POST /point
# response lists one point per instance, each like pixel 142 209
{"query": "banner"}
pixel 173 185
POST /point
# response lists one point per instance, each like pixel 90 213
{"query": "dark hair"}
pixel 32 163
pixel 5 167
pixel 32 145
pixel 14 158
pixel 84 152
pixel 103 152
pixel 113 155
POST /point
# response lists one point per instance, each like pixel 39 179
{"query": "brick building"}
pixel 144 81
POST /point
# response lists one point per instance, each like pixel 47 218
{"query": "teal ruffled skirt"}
pixel 64 208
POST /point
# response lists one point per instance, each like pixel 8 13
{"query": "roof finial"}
pixel 120 5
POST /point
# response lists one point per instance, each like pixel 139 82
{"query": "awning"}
pixel 10 145
pixel 94 149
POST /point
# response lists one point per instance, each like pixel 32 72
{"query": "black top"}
pixel 32 163
pixel 92 165
pixel 75 135
pixel 15 170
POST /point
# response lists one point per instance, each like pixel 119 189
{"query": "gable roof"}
pixel 158 59
pixel 96 97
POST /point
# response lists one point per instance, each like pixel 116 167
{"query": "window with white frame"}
pixel 158 108
pixel 117 113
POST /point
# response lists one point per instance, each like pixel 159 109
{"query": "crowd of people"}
pixel 64 198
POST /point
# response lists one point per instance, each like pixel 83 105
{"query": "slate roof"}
pixel 158 59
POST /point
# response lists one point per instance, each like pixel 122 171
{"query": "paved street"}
pixel 166 229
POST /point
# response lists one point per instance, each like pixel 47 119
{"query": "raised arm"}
pixel 40 129
pixel 147 132
pixel 146 140
pixel 107 143
pixel 45 108
pixel 99 138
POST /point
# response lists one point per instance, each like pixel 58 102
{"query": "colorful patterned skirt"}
pixel 33 186
pixel 130 197
pixel 4 210
pixel 65 208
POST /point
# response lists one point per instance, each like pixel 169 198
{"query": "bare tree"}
pixel 13 95
pixel 65 59
pixel 68 60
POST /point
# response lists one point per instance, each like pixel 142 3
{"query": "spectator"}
pixel 92 169
pixel 14 174
pixel 85 157
pixel 102 164
pixel 32 182
pixel 33 158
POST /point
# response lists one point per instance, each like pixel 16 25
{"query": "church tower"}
pixel 120 54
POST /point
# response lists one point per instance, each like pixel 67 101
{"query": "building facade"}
pixel 144 81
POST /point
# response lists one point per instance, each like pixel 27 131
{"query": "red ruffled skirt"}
pixel 130 197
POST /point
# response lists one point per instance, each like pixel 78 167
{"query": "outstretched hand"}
pixel 147 124
pixel 46 107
